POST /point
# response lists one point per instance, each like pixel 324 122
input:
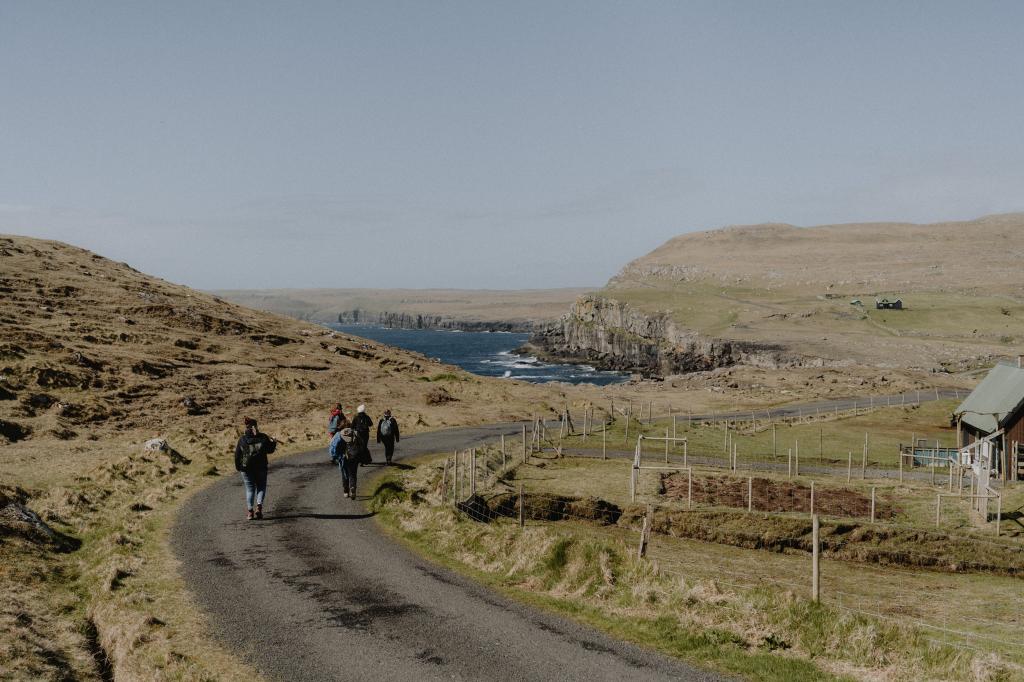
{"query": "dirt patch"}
pixel 439 396
pixel 13 432
pixel 553 508
pixel 775 496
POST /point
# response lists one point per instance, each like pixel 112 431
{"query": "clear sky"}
pixel 491 144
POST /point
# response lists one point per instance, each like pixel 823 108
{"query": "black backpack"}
pixel 251 452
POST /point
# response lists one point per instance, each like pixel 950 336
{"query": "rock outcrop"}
pixel 417 321
pixel 610 335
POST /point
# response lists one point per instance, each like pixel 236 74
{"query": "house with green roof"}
pixel 995 411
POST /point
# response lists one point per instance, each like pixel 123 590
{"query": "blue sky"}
pixel 491 145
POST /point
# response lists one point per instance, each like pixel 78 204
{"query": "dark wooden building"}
pixel 996 406
pixel 886 304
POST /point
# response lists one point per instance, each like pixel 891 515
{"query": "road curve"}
pixel 316 592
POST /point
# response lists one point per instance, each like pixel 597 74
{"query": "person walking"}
pixel 387 433
pixel 337 421
pixel 361 424
pixel 344 451
pixel 251 462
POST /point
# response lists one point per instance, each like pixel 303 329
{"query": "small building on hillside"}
pixel 995 411
pixel 886 304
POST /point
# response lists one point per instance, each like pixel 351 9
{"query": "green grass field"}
pixel 822 440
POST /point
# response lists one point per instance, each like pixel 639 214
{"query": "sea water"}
pixel 490 354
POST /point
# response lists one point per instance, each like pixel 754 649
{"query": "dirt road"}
pixel 316 592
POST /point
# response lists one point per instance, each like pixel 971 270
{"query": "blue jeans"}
pixel 255 487
pixel 349 468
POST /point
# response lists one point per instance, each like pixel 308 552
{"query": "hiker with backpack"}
pixel 251 462
pixel 361 424
pixel 346 450
pixel 387 433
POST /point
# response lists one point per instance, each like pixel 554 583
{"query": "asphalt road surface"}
pixel 316 592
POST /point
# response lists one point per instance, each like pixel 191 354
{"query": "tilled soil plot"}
pixel 774 496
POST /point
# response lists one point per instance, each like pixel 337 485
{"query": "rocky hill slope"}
pixel 97 358
pixel 784 296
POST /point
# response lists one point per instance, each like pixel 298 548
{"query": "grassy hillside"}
pixel 779 284
pixel 95 359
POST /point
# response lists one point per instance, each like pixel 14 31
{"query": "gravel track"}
pixel 316 592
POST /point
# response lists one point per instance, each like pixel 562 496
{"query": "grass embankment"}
pixel 118 599
pixel 699 613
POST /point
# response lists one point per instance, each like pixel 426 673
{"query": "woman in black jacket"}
pixel 251 461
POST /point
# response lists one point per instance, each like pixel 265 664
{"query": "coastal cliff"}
pixel 396 320
pixel 610 335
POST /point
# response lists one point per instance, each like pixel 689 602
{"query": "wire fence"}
pixel 481 485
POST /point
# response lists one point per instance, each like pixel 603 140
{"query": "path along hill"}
pixel 781 296
pixel 96 358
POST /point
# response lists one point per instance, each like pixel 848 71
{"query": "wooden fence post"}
pixel 872 504
pixel 645 532
pixel 789 461
pixel 525 456
pixel 503 451
pixel 864 459
pixel 455 478
pixel 750 493
pixel 797 459
pixel 444 481
pixel 689 489
pixel 774 445
pixel 666 446
pixel 812 497
pixel 815 559
pixel 604 443
pixel 938 508
pixel 849 467
pixel 472 470
pixel 522 507
pixel 458 477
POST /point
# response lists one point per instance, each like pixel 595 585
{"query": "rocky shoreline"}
pixel 609 335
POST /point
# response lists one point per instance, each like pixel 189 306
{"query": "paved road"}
pixel 316 592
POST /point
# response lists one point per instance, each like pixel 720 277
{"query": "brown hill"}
pixel 95 359
pixel 980 256
pixel 779 296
